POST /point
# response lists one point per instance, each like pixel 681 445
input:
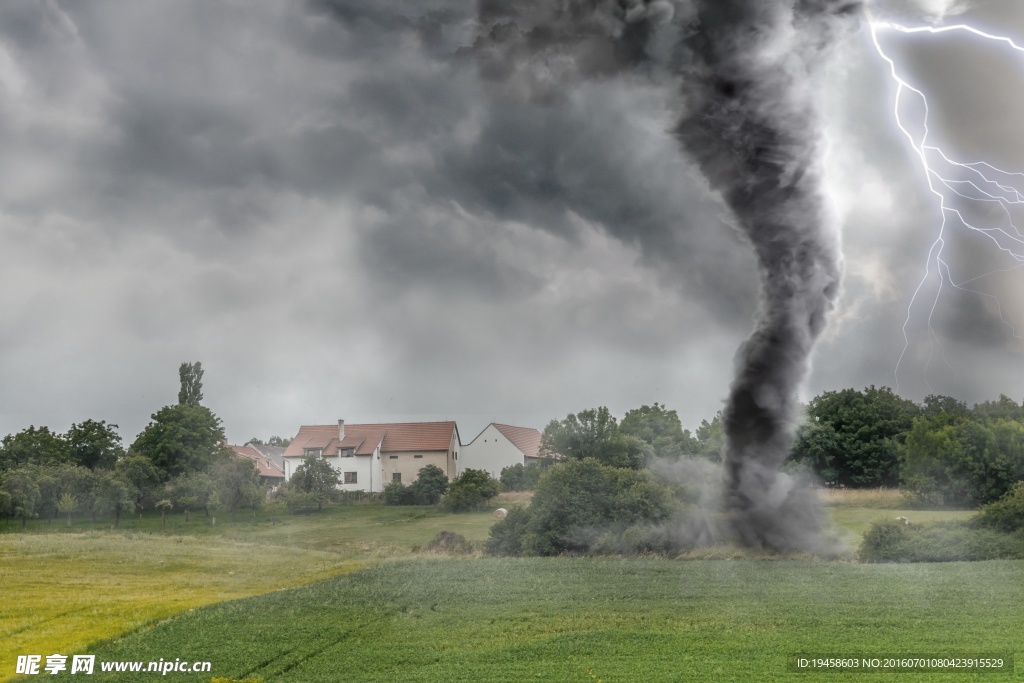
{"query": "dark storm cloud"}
pixel 195 181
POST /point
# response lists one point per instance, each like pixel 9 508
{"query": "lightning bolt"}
pixel 954 183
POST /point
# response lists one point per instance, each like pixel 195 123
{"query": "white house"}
pixel 499 446
pixel 368 457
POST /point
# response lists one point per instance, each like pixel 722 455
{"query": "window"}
pixel 316 452
pixel 347 453
pixel 350 478
pixel 417 456
pixel 397 476
pixel 393 457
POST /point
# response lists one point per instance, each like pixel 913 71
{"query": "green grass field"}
pixel 572 619
pixel 64 591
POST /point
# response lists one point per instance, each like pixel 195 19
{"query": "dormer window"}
pixel 314 452
pixel 347 452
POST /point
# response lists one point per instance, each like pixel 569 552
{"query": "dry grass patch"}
pixel 519 498
pixel 881 498
pixel 65 591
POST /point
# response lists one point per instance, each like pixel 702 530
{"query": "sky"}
pixel 336 208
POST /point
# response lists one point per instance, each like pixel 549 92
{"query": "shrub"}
pixel 397 493
pixel 885 542
pixel 1005 514
pixel 578 504
pixel 524 477
pixel 431 483
pixel 951 541
pixel 450 542
pixel 506 536
pixel 470 489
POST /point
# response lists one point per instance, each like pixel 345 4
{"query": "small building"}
pixel 368 457
pixel 499 446
pixel 270 471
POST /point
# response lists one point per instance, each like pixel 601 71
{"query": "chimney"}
pixel 341 430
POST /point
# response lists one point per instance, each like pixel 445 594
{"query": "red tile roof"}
pixel 266 466
pixel 364 438
pixel 526 439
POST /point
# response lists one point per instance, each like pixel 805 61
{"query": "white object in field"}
pixel 500 514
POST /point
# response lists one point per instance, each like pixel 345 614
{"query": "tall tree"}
pixel 95 445
pixel 191 392
pixel 182 438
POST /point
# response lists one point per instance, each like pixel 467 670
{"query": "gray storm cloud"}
pixel 748 77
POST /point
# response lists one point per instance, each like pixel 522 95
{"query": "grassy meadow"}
pixel 409 615
pixel 586 619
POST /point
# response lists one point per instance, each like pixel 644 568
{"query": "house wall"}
pixel 454 454
pixel 491 451
pixel 362 465
pixel 409 465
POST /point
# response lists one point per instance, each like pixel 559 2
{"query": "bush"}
pixel 577 505
pixel 1005 514
pixel 885 542
pixel 957 541
pixel 397 493
pixel 506 536
pixel 470 490
pixel 524 477
pixel 450 542
pixel 431 483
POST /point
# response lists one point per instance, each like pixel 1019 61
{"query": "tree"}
pixel 279 441
pixel 578 502
pixel 113 493
pixel 967 462
pixel 315 477
pixel 868 430
pixel 711 437
pixel 237 482
pixel 33 446
pixel 49 483
pixel 141 474
pixel 661 429
pixel 431 483
pixel 79 483
pixel 182 438
pixel 95 445
pixel 936 405
pixel 469 490
pixel 190 491
pixel 22 494
pixel 164 505
pixel 521 477
pixel 1003 407
pixel 68 505
pixel 191 376
pixel 594 434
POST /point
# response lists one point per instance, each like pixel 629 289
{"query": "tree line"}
pixel 602 496
pixel 939 450
pixel 178 462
